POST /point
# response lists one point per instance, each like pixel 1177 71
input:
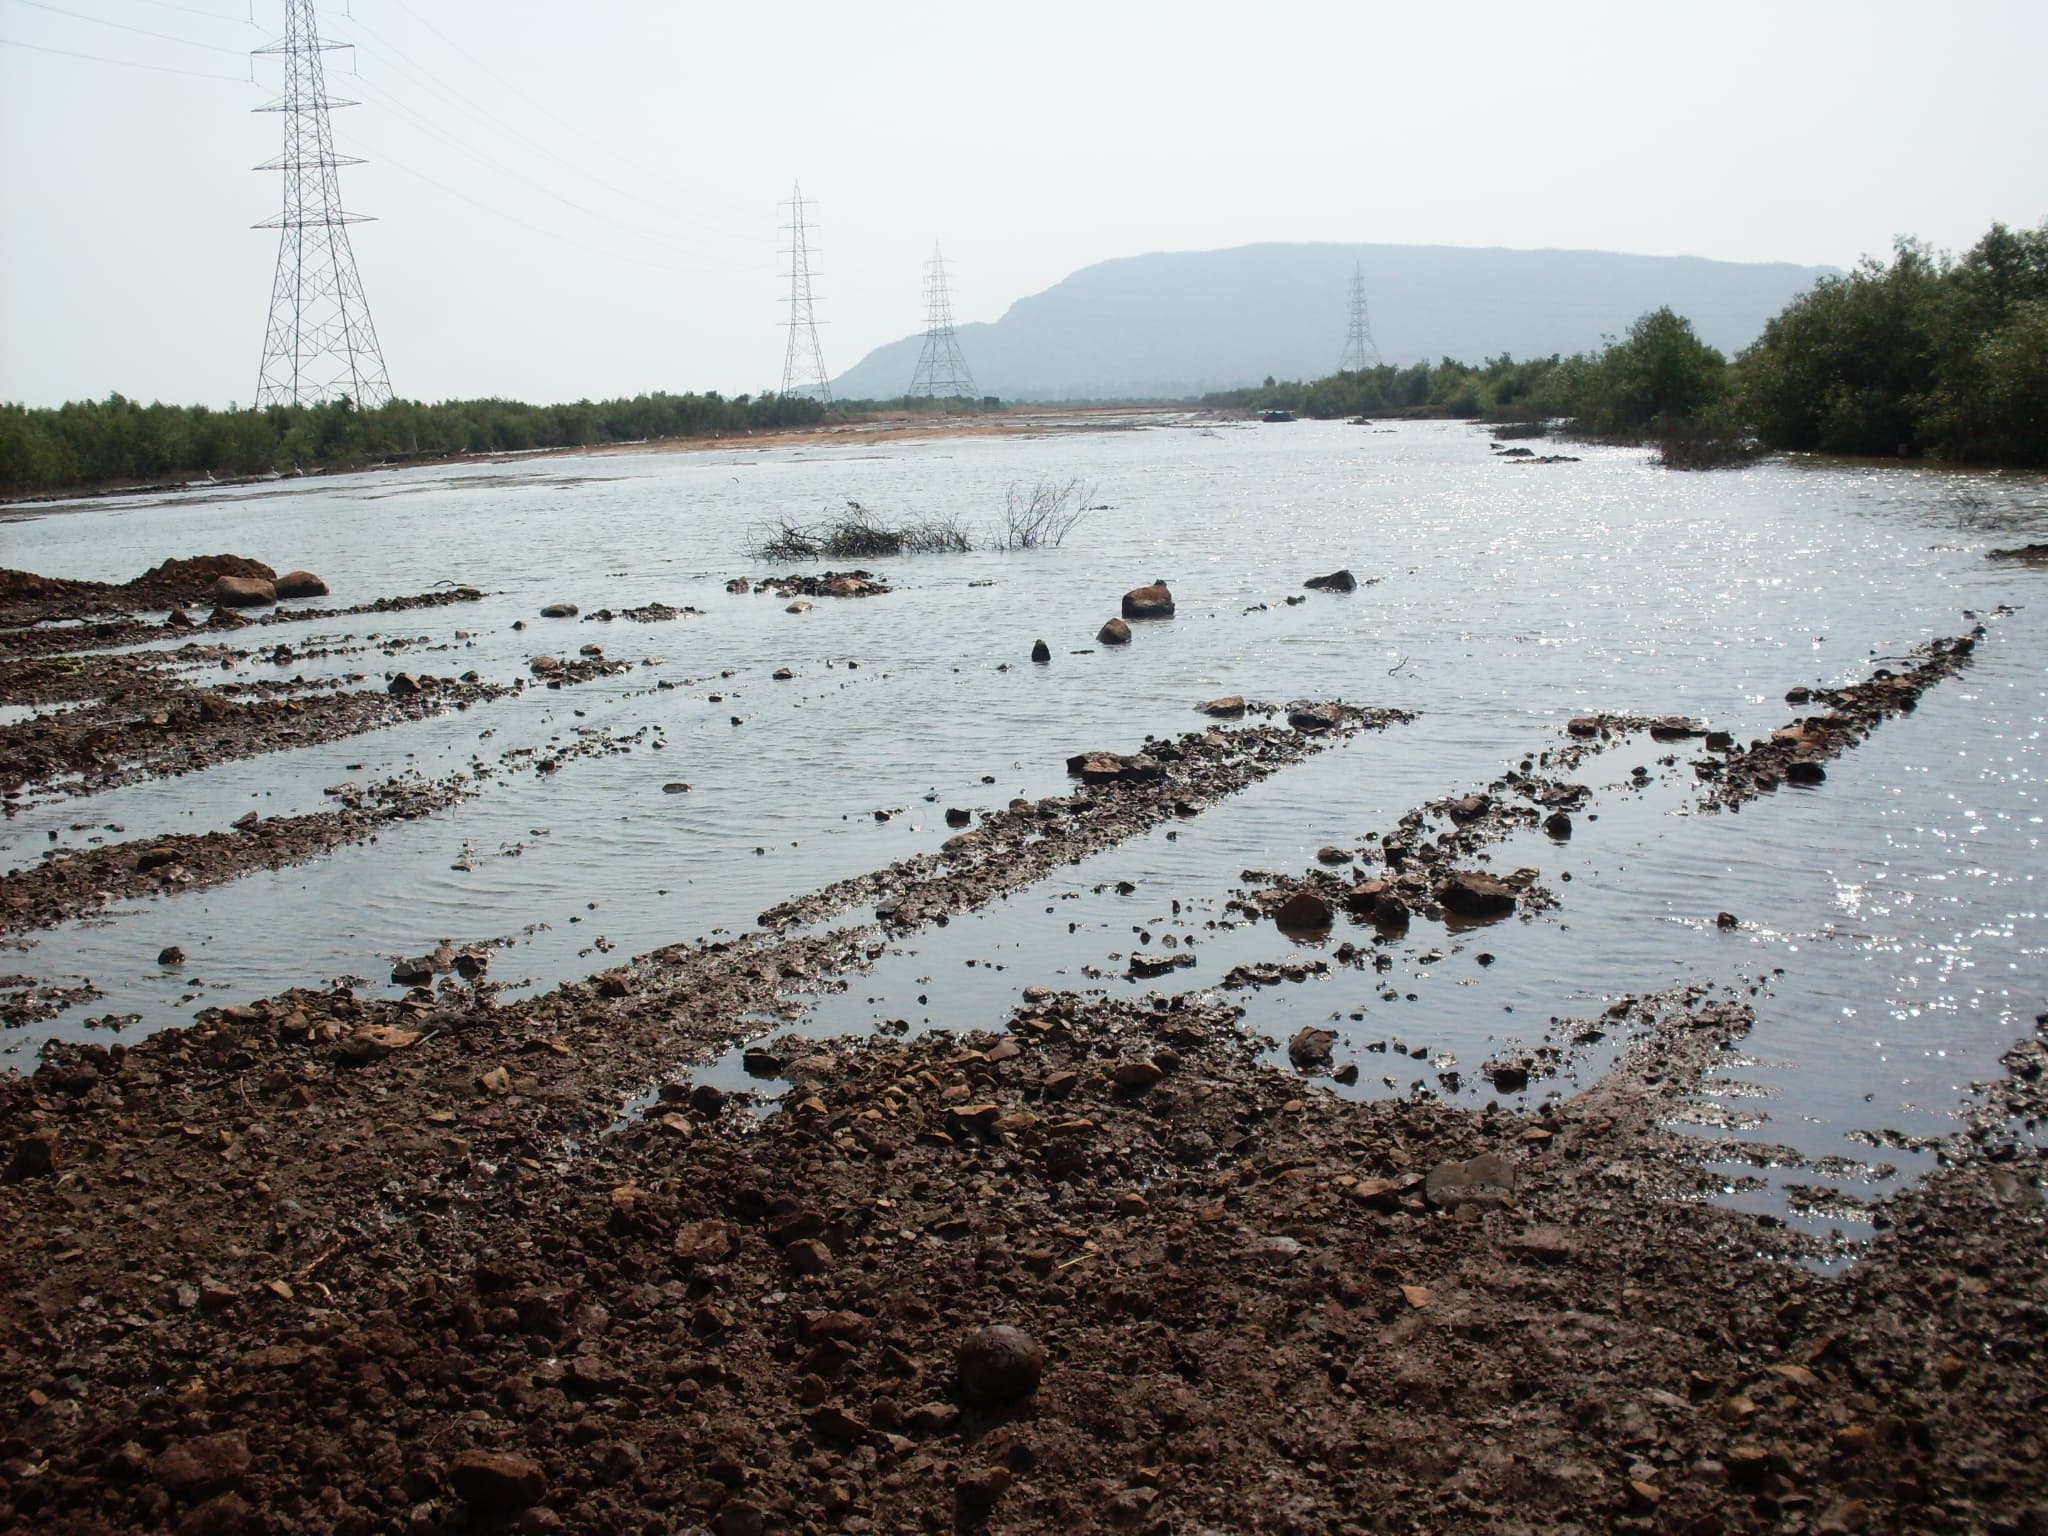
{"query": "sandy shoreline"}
pixel 907 426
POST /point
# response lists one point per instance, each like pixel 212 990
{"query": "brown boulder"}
pixel 1304 915
pixel 243 592
pixel 35 1157
pixel 1229 707
pixel 1475 895
pixel 201 1465
pixel 300 584
pixel 1153 602
pixel 1115 632
pixel 497 1481
pixel 999 1365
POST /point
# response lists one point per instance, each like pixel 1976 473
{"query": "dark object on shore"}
pixel 955 817
pixel 1153 602
pixel 1115 632
pixel 1508 431
pixel 300 584
pixel 1276 416
pixel 999 1365
pixel 1475 895
pixel 559 611
pixel 1304 915
pixel 496 1482
pixel 1336 581
pixel 2031 554
pixel 35 1157
pixel 1041 652
pixel 403 686
pixel 1558 825
pixel 243 592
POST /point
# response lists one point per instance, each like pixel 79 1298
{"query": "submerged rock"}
pixel 1115 632
pixel 1336 581
pixel 1041 652
pixel 1153 602
pixel 300 584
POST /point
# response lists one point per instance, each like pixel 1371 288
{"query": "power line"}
pixel 100 58
pixel 499 213
pixel 122 26
pixel 193 10
pixel 395 104
pixel 410 67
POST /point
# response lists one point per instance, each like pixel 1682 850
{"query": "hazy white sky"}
pixel 580 199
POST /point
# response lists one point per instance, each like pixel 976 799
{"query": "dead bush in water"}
pixel 784 540
pixel 1700 445
pixel 1043 516
pixel 859 534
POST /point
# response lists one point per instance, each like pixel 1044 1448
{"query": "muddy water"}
pixel 1895 915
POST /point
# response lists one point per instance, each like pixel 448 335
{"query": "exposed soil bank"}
pixel 327 1265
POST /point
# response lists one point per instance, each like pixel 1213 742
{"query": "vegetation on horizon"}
pixel 118 441
pixel 1929 356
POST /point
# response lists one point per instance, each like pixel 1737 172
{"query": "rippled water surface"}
pixel 1896 913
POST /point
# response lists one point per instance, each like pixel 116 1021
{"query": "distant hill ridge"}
pixel 1174 324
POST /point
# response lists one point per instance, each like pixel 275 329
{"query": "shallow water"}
pixel 1901 901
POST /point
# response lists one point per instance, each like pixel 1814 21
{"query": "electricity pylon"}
pixel 803 364
pixel 1360 351
pixel 942 373
pixel 320 344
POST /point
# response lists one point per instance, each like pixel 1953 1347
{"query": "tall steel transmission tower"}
pixel 1360 351
pixel 803 364
pixel 320 344
pixel 942 373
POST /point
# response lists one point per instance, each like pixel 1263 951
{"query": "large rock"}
pixel 559 611
pixel 202 1465
pixel 1470 894
pixel 34 1157
pixel 497 1481
pixel 1115 632
pixel 1229 707
pixel 1486 1180
pixel 243 592
pixel 1041 652
pixel 1303 915
pixel 999 1365
pixel 300 584
pixel 1336 581
pixel 1153 602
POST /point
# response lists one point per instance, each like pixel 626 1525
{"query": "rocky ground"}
pixel 439 1262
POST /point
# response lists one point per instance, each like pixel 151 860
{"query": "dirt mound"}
pixel 27 586
pixel 191 580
